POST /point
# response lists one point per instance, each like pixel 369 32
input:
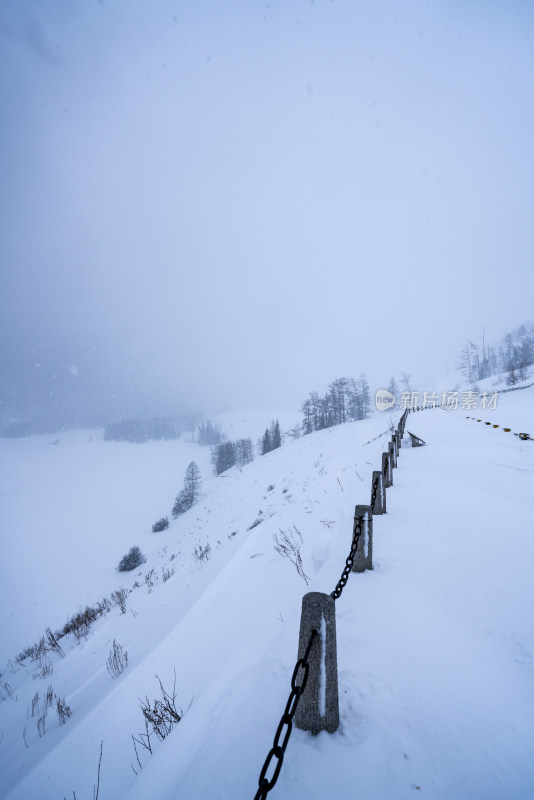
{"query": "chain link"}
pixel 278 749
pixel 350 559
pixel 385 433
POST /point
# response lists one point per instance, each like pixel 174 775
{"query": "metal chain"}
pixel 278 749
pixel 350 560
pixel 385 433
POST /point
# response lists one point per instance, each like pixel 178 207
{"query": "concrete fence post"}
pixel 318 708
pixel 387 470
pixel 393 453
pixel 363 518
pixel 378 494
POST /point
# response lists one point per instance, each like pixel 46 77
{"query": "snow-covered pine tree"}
pixel 276 438
pixel 191 491
pixel 225 457
pixel 266 445
pixel 244 451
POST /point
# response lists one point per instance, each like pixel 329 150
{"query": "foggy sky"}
pixel 229 204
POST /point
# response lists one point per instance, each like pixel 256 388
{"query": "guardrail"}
pixel 313 703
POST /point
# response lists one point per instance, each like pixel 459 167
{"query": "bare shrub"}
pixel 49 697
pixel 118 598
pixel 160 525
pixel 201 554
pixel 52 642
pixel 80 623
pixel 45 672
pixel 35 703
pixel 142 739
pixel 7 689
pixel 162 714
pixel 37 652
pixel 166 574
pixel 117 660
pixel 63 710
pixel 41 725
pixel 151 579
pixel 104 606
pixel 288 545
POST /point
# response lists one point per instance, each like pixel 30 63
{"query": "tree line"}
pixel 143 430
pixel 226 453
pixel 513 355
pixel 346 400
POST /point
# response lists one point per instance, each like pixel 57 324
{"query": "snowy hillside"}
pixel 435 645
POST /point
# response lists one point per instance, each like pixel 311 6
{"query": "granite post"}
pixel 387 471
pixel 393 453
pixel 363 518
pixel 318 708
pixel 378 492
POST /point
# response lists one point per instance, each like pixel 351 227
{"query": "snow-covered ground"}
pixel 435 645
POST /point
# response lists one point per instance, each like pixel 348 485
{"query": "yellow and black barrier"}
pixel 523 436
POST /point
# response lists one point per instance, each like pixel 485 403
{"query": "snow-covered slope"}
pixel 435 645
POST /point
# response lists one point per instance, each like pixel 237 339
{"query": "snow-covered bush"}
pixel 160 525
pixel 134 558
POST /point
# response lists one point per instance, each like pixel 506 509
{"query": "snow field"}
pixel 435 645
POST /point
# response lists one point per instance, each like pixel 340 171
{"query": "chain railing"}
pixel 285 727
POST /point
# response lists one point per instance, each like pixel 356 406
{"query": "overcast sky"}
pixel 229 204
